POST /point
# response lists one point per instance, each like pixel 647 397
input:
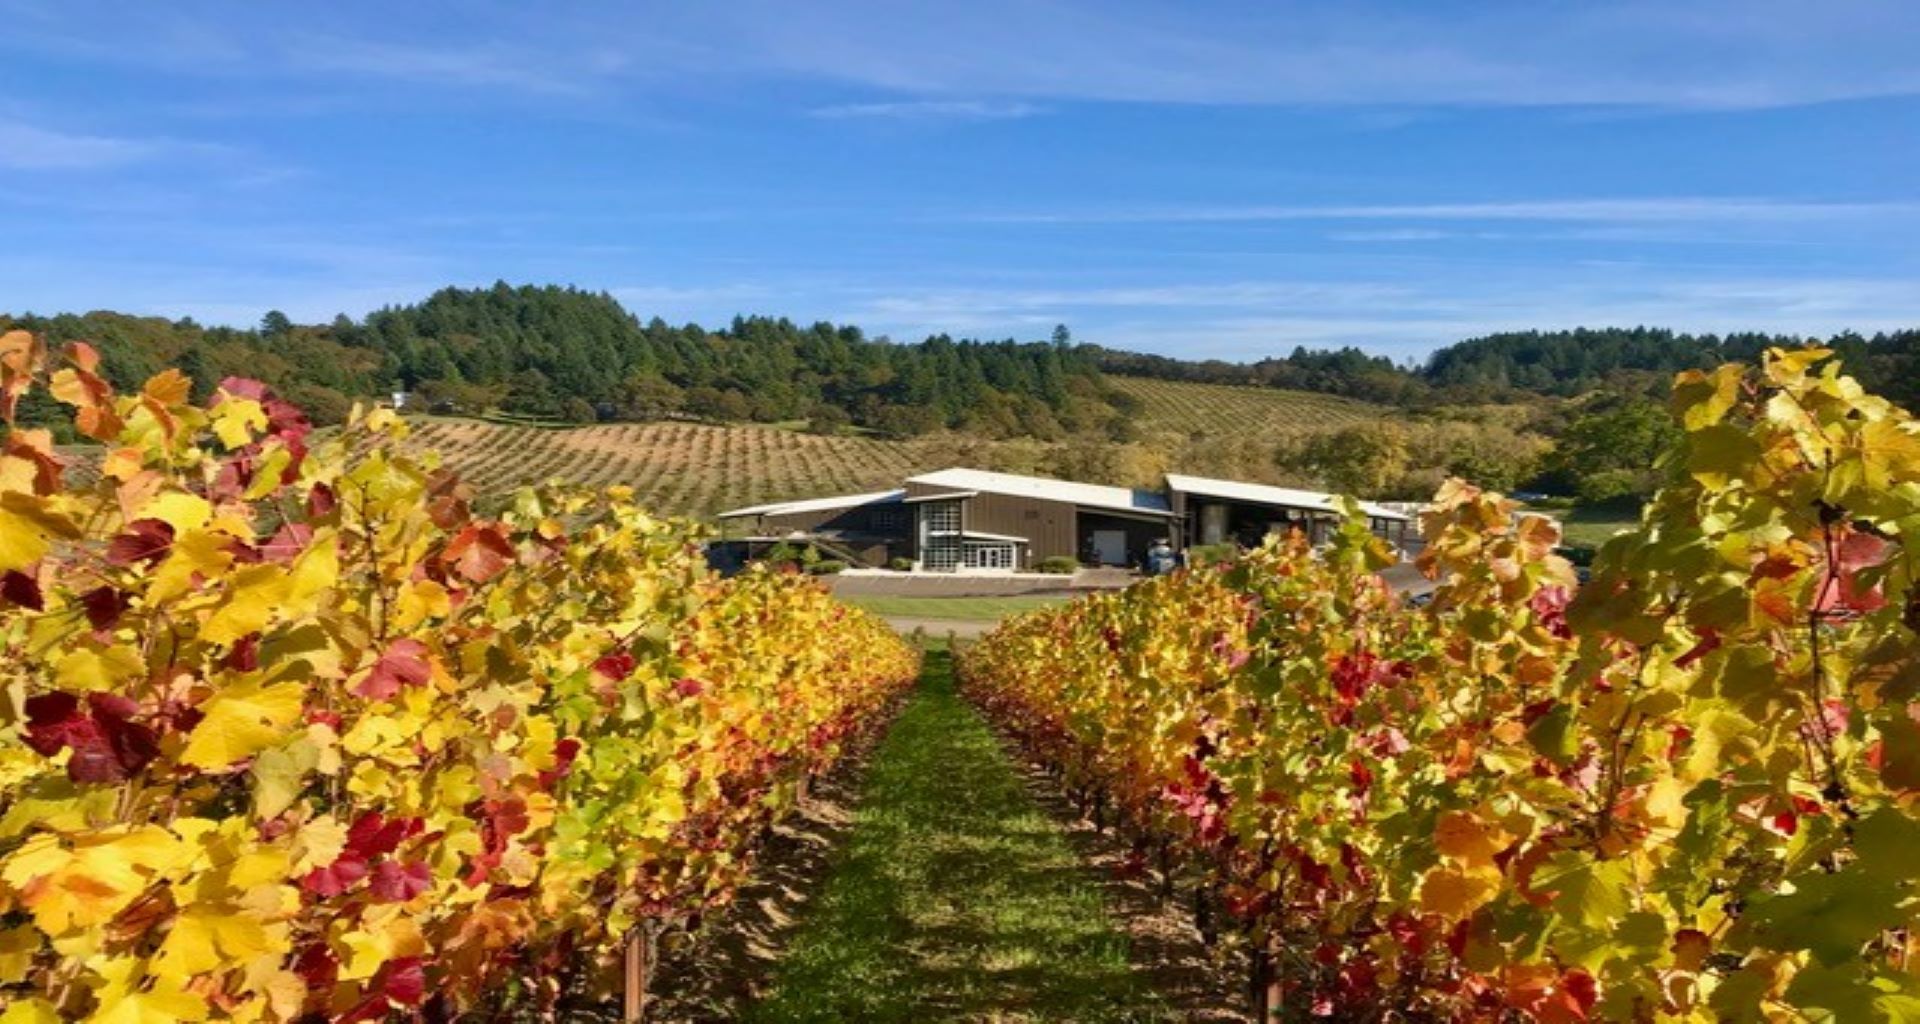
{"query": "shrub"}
pixel 1213 554
pixel 827 567
pixel 1610 485
pixel 1064 565
pixel 900 564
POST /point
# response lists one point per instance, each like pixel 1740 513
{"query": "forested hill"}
pixel 1499 366
pixel 1626 359
pixel 562 353
pixel 566 354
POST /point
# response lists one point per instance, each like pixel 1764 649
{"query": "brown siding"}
pixel 873 533
pixel 1048 526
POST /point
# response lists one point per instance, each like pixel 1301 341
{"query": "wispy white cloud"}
pixel 1598 210
pixel 1703 55
pixel 29 147
pixel 929 110
pixel 1390 235
pixel 456 65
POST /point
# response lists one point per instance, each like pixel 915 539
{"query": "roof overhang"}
pixel 943 496
pixel 784 508
pixel 1277 497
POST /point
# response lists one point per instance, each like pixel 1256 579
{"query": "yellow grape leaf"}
pixel 1891 453
pixel 236 420
pixel 200 552
pixel 204 938
pixel 267 473
pixel 1703 399
pixel 1666 803
pixel 27 530
pixel 314 571
pixel 104 668
pixel 17 946
pixel 283 991
pixel 69 888
pixel 385 933
pixel 419 601
pixel 122 464
pixel 318 844
pixel 1454 893
pixel 70 814
pixel 1790 365
pixel 168 387
pixel 280 774
pixel 1464 837
pixel 30 1011
pixel 17 474
pixel 179 510
pixel 241 721
pixel 254 594
pixel 133 996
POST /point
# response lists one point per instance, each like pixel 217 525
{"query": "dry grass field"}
pixel 1221 409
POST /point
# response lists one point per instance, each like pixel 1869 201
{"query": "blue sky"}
pixel 1200 179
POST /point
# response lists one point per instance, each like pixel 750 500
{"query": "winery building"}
pixel 978 521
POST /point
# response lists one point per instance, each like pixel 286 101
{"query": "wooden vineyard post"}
pixel 1273 994
pixel 634 1006
pixel 1267 990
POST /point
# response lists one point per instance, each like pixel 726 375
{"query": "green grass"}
pixel 973 609
pixel 1591 525
pixel 956 898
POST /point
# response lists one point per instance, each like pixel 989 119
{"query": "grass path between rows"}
pixel 956 898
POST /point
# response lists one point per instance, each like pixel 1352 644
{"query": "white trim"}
pixel 1141 502
pixel 1265 494
pixel 967 535
pixel 786 508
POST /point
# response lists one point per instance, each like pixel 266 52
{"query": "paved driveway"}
pixel 965 629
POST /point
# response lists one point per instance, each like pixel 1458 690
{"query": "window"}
pixel 940 548
pixel 941 516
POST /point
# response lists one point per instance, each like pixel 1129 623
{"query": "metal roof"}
pixel 1090 495
pixel 781 508
pixel 1265 494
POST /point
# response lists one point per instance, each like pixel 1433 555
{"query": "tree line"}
pixel 1571 412
pixel 566 354
pixel 1520 364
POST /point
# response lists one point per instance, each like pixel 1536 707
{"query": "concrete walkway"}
pixel 928 584
pixel 965 629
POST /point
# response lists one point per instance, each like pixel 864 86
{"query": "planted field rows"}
pixel 675 468
pixel 1194 408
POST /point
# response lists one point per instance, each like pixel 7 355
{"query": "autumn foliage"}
pixel 1687 790
pixel 288 729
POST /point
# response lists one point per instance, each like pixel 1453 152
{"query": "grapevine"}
pixel 1685 790
pixel 289 728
